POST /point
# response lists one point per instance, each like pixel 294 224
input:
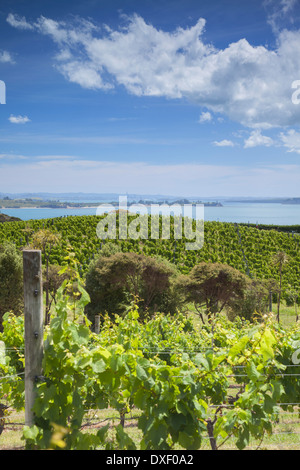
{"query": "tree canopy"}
pixel 213 286
pixel 113 281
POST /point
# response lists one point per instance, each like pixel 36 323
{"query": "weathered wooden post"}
pixel 97 324
pixel 33 319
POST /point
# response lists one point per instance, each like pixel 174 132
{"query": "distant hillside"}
pixel 293 200
pixel 242 246
pixel 9 203
pixel 7 218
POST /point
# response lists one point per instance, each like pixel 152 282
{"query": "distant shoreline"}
pixel 47 207
pixel 114 204
pixel 266 214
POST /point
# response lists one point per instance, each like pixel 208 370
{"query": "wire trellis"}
pixel 96 422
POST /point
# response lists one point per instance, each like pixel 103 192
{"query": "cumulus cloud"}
pixel 291 140
pixel 205 117
pixel 249 84
pixel 257 139
pixel 18 119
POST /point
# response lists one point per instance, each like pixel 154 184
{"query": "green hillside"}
pixel 246 248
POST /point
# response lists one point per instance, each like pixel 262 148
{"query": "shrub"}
pixel 212 286
pixel 251 304
pixel 113 281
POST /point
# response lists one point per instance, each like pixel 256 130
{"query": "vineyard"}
pixel 243 247
pixel 164 383
pixel 185 389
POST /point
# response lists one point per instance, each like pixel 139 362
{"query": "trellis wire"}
pixel 11 376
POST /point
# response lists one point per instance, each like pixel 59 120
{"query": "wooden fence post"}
pixel 33 322
pixel 97 324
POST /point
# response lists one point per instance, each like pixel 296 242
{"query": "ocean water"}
pixel 253 213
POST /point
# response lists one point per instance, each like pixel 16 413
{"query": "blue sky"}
pixel 188 98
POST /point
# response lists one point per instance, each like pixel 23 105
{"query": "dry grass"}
pixel 286 433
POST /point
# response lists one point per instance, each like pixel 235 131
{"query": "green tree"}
pixel 11 280
pixel 212 286
pixel 253 301
pixel 112 282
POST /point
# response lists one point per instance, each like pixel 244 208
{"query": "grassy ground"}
pixel 286 433
pixel 287 315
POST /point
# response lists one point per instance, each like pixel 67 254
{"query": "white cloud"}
pixel 224 143
pixel 18 119
pixel 59 174
pixel 257 139
pixel 84 74
pixel 249 84
pixel 279 12
pixel 18 22
pixel 205 117
pixel 291 140
pixel 5 57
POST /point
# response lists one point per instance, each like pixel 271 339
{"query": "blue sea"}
pixel 253 213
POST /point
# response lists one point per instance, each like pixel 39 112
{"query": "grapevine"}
pixel 251 253
pixel 189 384
pixel 183 396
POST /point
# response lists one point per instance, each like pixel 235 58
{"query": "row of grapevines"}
pixel 221 244
pixel 177 377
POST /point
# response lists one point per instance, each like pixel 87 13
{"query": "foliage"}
pixel 221 244
pixel 280 259
pixel 252 303
pixel 54 281
pixel 112 282
pixel 45 240
pixel 12 361
pixel 178 377
pixel 11 280
pixel 243 247
pixel 213 285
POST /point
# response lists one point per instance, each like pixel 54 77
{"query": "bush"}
pixel 113 281
pixel 212 286
pixel 253 302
